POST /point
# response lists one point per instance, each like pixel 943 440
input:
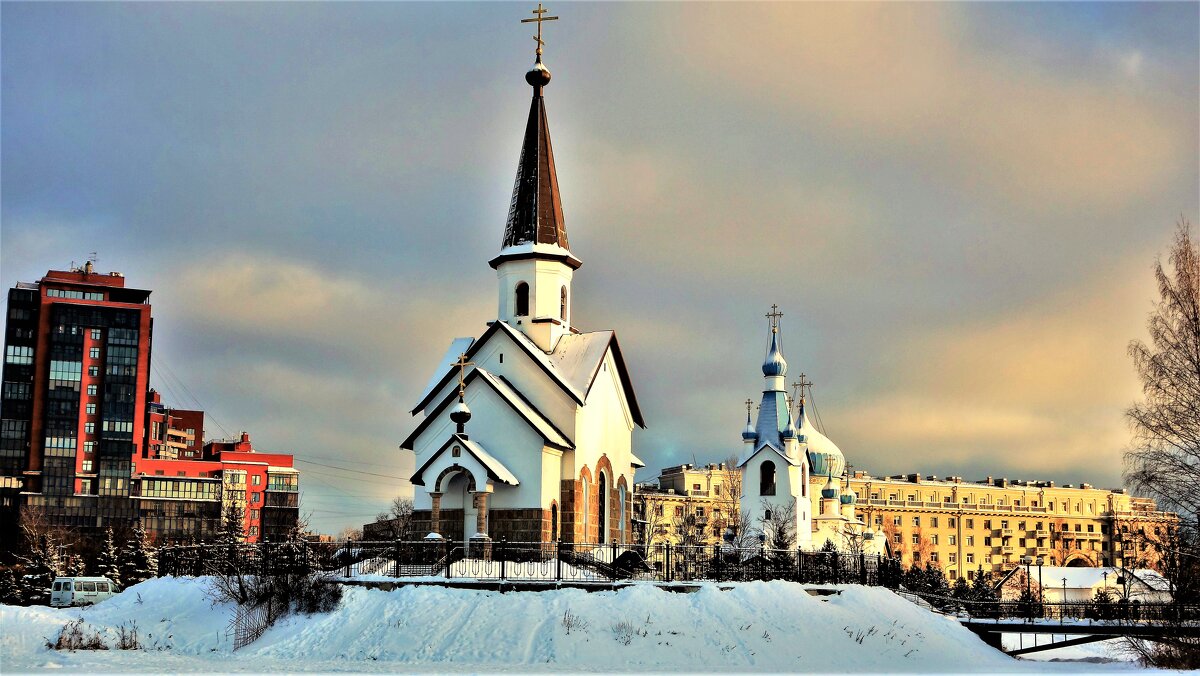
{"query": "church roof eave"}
pixel 550 433
pixel 495 469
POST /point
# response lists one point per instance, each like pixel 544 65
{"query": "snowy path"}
pixel 753 627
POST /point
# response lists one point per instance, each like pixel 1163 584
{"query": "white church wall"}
pixel 546 280
pixel 604 427
pixel 502 433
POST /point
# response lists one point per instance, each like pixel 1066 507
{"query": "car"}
pixel 80 591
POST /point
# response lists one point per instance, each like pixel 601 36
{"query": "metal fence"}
pixel 531 562
pixel 1121 611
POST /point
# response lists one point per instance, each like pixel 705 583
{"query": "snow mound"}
pixel 747 627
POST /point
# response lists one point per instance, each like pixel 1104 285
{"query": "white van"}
pixel 80 591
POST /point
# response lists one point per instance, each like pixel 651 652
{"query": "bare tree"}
pixel 1165 458
pixel 778 523
pixel 653 516
pixel 396 523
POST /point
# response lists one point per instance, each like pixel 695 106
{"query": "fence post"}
pixel 396 563
pixel 667 564
pixel 837 568
pixel 349 552
pixel 717 562
pixel 446 550
pixel 500 555
pixel 558 561
pixel 862 568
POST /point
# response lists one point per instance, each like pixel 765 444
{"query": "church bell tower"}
pixel 535 264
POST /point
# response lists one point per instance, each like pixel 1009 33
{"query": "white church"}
pixel 526 431
pixel 791 470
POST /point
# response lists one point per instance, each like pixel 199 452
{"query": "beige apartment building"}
pixel 962 526
pixel 965 526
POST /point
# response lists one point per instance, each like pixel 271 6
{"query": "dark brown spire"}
pixel 535 213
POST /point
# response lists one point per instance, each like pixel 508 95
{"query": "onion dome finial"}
pixel 748 432
pixel 774 364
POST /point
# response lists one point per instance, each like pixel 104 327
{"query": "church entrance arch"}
pixel 457 487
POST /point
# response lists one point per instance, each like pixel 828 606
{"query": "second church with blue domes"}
pixel 784 458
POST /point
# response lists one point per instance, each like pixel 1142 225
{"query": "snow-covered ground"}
pixel 747 627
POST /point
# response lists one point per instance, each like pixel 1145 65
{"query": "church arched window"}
pixel 522 300
pixel 602 507
pixel 766 478
pixel 586 520
pixel 562 304
pixel 621 523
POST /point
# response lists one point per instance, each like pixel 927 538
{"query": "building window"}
pixel 933 521
pixel 970 558
pixel 89 428
pixel 970 540
pixel 917 521
pixel 95 334
pixel 896 538
pixel 933 556
pixel 933 539
pixel 253 530
pixel 987 542
pixel 255 498
pixel 18 354
pixel 522 300
pixel 87 466
pixel 94 353
pixel 456 451
pixel 916 557
pixel 562 304
pixel 987 524
pixel 953 522
pixel 916 538
pixel 91 390
pixel 896 520
pixel 257 480
pixel 953 539
pixel 970 523
pixel 953 574
pixel 90 409
pixel 93 371
pixel 766 479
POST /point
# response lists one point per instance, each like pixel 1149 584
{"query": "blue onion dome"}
pixel 831 490
pixel 849 497
pixel 748 434
pixel 774 364
pixel 789 430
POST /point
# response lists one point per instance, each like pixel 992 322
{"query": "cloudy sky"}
pixel 957 207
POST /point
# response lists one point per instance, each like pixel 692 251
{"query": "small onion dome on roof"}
pixel 774 364
pixel 748 434
pixel 789 430
pixel 831 489
pixel 539 75
pixel 459 413
pixel 849 497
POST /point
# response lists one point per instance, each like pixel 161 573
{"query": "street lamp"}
pixel 1041 593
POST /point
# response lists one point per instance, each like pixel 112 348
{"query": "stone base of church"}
pixel 511 525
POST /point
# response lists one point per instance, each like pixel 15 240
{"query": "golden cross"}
pixel 462 365
pixel 774 316
pixel 538 19
pixel 748 405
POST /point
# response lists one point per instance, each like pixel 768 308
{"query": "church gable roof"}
pixel 496 471
pixel 518 403
pixel 766 445
pixel 573 365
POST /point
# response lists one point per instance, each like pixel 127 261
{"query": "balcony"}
pixel 1006 532
pixel 1007 549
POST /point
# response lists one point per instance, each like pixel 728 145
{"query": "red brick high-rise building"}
pixel 87 444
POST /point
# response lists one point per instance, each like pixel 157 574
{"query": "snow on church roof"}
pixel 551 434
pixel 458 346
pixel 573 364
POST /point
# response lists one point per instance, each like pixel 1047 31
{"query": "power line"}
pixel 356 471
